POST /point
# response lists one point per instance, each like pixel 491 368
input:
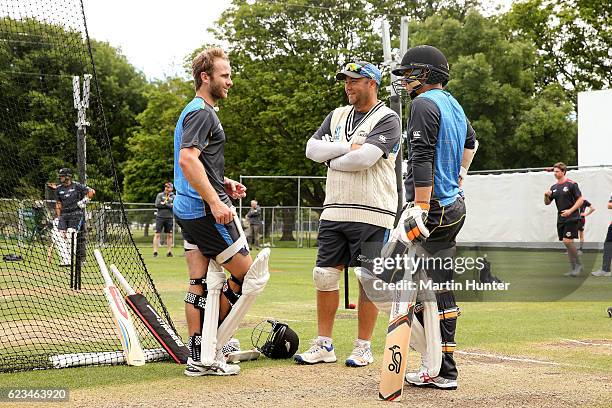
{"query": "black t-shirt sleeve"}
pixel 470 139
pixel 325 127
pixel 386 134
pixel 576 190
pixel 196 129
pixel 423 130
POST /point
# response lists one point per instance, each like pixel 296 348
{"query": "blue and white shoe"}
pixel 317 353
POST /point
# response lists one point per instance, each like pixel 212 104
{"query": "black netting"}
pixel 52 315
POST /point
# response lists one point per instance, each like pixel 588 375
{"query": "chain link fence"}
pixel 283 226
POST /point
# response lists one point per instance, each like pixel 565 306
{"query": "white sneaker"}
pixel 418 378
pixel 601 272
pixel 422 379
pixel 574 272
pixel 360 357
pixel 317 353
pixel 219 367
pixel 195 368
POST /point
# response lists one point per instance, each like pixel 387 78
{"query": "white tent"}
pixel 510 207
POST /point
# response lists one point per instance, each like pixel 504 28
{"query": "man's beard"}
pixel 216 91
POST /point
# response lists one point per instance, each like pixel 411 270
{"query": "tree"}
pixel 573 39
pixel 150 147
pixel 285 57
pixel 492 76
pixel 545 134
pixel 38 137
pixel 123 96
pixel 35 108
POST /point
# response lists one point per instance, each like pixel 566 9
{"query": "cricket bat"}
pixel 125 329
pixel 397 343
pixel 161 330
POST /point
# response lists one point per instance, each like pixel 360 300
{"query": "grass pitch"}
pixel 572 336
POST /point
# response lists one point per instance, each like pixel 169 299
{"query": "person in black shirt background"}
pixel 70 201
pixel 568 199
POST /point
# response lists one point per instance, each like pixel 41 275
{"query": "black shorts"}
pixel 342 243
pixel 567 229
pixel 163 225
pixel 210 237
pixel 444 223
pixel 74 221
pixel 581 224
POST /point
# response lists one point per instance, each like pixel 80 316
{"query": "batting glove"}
pixel 413 220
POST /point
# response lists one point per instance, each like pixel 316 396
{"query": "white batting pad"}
pixel 215 278
pixel 254 282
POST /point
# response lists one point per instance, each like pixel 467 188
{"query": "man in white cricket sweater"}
pixel 359 143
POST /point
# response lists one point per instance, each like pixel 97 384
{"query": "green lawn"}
pixel 520 328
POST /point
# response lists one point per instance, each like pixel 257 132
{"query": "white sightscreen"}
pixel 595 128
pixel 510 207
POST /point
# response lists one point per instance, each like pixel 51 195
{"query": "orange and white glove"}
pixel 412 222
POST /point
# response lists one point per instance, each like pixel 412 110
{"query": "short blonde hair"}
pixel 204 62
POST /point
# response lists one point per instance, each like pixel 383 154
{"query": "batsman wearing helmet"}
pixel 214 240
pixel 359 143
pixel 442 145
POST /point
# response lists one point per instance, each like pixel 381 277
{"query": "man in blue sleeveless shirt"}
pixel 203 209
pixel 442 145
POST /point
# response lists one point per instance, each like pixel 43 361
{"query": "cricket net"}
pixel 53 312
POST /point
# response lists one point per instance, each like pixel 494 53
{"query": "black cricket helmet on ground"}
pixel 420 65
pixel 275 339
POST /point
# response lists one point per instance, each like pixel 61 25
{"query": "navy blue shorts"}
pixel 349 243
pixel 210 237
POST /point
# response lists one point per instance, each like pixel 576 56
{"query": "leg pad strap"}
pixel 231 296
pixel 199 301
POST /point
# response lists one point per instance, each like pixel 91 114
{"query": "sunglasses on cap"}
pixel 353 67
